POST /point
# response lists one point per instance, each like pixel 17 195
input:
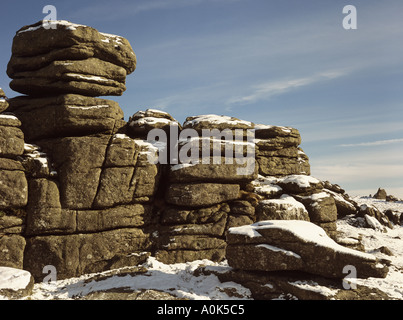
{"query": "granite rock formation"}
pixel 83 190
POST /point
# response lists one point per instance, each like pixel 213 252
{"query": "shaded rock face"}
pixel 71 58
pixel 90 185
pixel 80 190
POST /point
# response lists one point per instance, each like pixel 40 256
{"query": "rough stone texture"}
pixel 13 189
pixel 169 257
pixel 201 194
pixel 44 212
pixel 65 115
pixel 76 254
pixel 12 250
pixel 144 121
pixel 15 283
pixel 285 208
pixel 222 172
pixel 11 137
pixel 321 207
pixel 134 215
pixel 275 245
pixel 67 41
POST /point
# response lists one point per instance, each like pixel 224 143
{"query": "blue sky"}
pixel 286 62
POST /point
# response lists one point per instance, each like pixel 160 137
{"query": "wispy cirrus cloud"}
pixel 266 90
pixel 373 143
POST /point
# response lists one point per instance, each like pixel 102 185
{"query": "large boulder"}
pixel 142 122
pixel 297 245
pixel 75 254
pixel 69 58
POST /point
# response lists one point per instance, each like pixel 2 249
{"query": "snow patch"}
pixel 14 279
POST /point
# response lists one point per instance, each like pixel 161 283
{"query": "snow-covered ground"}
pixel 180 280
pixel 373 240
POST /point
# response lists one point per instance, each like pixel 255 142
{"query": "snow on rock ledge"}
pixel 15 283
pixel 308 248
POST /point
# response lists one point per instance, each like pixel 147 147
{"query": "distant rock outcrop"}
pixel 380 194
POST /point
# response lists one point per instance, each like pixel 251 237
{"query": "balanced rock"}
pixel 65 115
pixel 70 58
pixel 275 245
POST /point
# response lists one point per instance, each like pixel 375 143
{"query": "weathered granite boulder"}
pixel 91 77
pixel 275 245
pixel 71 58
pixel 142 122
pixel 65 115
pixel 375 218
pixel 211 121
pixel 201 194
pixel 224 172
pixel 11 136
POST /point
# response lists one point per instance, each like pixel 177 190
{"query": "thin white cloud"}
pixel 266 90
pixel 373 143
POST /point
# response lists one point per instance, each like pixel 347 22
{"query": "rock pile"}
pixel 85 191
pixel 269 256
pixel 71 58
pixel 88 210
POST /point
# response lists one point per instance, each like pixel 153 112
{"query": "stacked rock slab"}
pixel 89 210
pixel 202 187
pixel 13 189
pixel 278 152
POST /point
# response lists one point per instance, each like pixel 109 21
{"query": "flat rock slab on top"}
pixel 70 40
pixel 71 58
